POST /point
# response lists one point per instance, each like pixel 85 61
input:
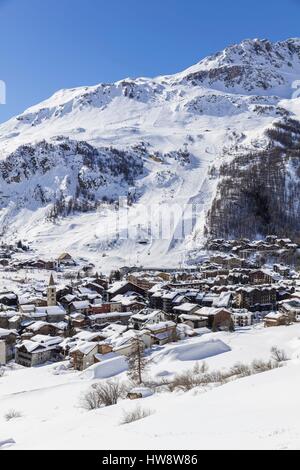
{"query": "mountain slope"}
pixel 156 141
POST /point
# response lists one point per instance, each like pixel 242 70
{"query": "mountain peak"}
pixel 254 66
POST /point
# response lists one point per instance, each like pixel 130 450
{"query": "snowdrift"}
pixel 106 369
pixel 194 352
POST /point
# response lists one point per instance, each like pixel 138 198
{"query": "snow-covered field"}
pixel 260 411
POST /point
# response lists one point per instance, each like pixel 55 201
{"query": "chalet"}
pixel 282 270
pixel 256 297
pixel 83 355
pixel 162 333
pixel 2 353
pixel 14 322
pixel 65 259
pixel 143 281
pixel 36 264
pixel 114 317
pixel 36 300
pixel 104 307
pixel 156 299
pixel 291 308
pixel 66 301
pixel 209 299
pixel 84 293
pixel 42 328
pixel 39 350
pixel 9 337
pixel 30 313
pixel 224 300
pixel 94 287
pixel 169 299
pixel 5 317
pixel 194 321
pixel 78 320
pixel 242 318
pixel 124 287
pixel 187 308
pixel 146 317
pixel 260 276
pixel 87 336
pixel 81 306
pixel 129 302
pixel 113 330
pixel 275 319
pixel 217 318
pixel 54 314
pixel 9 299
pixel 228 261
pixel 125 344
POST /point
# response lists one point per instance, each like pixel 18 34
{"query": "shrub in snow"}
pixel 279 355
pixel 201 368
pixel 135 415
pixel 12 414
pixel 185 381
pixel 2 371
pixel 103 394
pixel 259 366
pixel 241 370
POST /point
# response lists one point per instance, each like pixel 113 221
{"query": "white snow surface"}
pixel 252 413
pixel 219 106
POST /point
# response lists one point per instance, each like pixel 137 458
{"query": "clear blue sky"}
pixel 51 44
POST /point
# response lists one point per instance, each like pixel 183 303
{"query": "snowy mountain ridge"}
pixel 164 139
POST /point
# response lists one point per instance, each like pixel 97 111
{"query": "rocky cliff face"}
pixel 254 66
pixel 67 175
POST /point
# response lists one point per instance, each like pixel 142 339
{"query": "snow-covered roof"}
pixel 82 304
pixel 116 286
pixel 146 315
pixel 107 316
pixel 86 336
pixel 4 333
pixel 160 326
pixel 37 325
pixel 274 316
pixel 113 330
pixel 47 340
pixel 84 347
pixel 187 307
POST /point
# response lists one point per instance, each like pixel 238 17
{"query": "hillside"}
pixel 174 139
pixel 243 414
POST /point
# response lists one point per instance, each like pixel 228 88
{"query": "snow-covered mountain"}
pixel 174 139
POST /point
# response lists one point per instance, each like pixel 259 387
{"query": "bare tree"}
pixel 137 363
pixel 279 355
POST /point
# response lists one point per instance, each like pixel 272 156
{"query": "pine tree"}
pixel 70 331
pixel 137 363
pixel 231 327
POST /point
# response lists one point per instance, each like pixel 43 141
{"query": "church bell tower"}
pixel 51 292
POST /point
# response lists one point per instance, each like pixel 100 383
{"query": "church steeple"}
pixel 51 292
